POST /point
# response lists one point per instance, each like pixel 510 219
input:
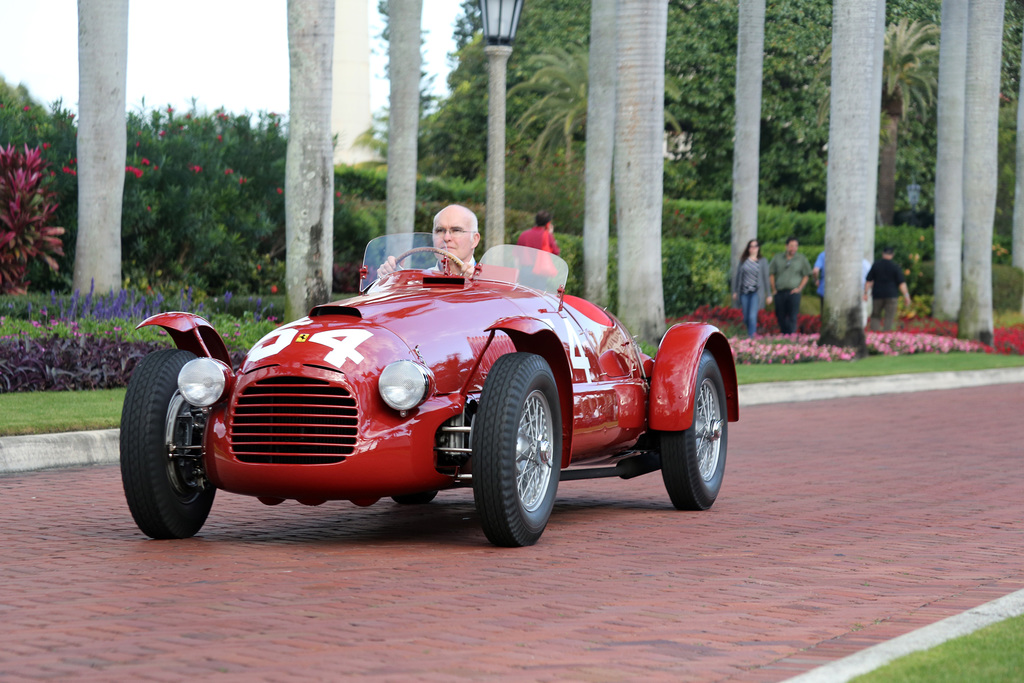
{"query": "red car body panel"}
pixel 305 420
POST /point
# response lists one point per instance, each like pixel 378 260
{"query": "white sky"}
pixel 230 53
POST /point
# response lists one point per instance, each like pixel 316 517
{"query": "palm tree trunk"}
pixel 639 144
pixel 309 169
pixel 1018 202
pixel 850 156
pixel 404 67
pixel 600 146
pixel 887 170
pixel 981 147
pixel 871 207
pixel 949 161
pixel 747 148
pixel 102 142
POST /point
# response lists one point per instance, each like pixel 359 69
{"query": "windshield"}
pixel 507 263
pixel 526 266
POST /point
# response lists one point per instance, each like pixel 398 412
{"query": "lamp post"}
pixel 500 18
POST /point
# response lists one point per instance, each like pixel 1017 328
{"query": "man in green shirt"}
pixel 787 274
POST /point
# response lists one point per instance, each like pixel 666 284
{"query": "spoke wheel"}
pixel 693 460
pixel 169 497
pixel 517 450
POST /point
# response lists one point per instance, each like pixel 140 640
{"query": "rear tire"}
pixel 693 460
pixel 168 497
pixel 517 450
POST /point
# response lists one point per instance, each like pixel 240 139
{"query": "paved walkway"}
pixel 842 524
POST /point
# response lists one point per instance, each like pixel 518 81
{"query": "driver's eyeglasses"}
pixel 455 232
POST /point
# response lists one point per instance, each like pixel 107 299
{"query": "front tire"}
pixel 168 497
pixel 693 460
pixel 517 450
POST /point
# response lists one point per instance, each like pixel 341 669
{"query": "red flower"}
pixel 280 191
pixel 273 289
pixel 46 145
pixel 228 171
pixel 145 161
pixel 26 108
pixel 196 169
pixel 220 138
pixel 132 169
pixel 243 181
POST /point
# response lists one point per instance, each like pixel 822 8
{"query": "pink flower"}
pixel 228 171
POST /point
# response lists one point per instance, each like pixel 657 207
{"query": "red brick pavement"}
pixel 841 524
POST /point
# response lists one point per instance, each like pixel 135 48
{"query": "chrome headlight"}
pixel 204 381
pixel 404 384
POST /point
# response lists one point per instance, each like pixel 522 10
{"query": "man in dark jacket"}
pixel 885 282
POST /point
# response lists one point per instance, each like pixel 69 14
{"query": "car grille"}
pixel 294 421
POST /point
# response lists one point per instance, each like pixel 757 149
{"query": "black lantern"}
pixel 501 18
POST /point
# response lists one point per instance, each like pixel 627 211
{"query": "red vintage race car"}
pixel 427 381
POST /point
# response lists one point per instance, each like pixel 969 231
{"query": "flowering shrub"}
pixel 26 211
pixel 922 335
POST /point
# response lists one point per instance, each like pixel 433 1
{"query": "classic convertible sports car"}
pixel 427 381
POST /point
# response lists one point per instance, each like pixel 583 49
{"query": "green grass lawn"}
pixel 993 654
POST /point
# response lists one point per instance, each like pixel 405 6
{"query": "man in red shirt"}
pixel 541 235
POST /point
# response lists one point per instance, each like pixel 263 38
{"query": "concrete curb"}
pixel 69 449
pixel 785 392
pixel 925 638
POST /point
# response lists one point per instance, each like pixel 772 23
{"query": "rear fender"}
pixel 529 335
pixel 191 333
pixel 675 374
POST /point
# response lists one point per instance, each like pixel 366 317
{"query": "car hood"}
pixel 442 327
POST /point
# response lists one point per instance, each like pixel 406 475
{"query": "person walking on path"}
pixel 884 284
pixel 788 274
pixel 541 235
pixel 750 287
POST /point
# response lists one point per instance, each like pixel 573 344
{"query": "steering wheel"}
pixel 446 254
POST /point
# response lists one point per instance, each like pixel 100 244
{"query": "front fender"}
pixel 675 374
pixel 191 333
pixel 536 336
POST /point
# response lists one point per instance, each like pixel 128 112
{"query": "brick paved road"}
pixel 842 523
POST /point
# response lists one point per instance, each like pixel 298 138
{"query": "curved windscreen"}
pixel 380 248
pixel 526 266
pixel 507 263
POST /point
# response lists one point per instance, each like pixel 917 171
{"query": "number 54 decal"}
pixel 342 344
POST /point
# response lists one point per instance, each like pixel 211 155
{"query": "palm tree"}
pixel 639 142
pixel 909 79
pixel 600 146
pixel 309 169
pixel 981 141
pixel 102 142
pixel 404 67
pixel 747 149
pixel 949 160
pixel 1018 202
pixel 560 80
pixel 851 152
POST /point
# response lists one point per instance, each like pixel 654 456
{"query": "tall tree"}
pixel 404 18
pixel 871 206
pixel 949 162
pixel 981 154
pixel 747 149
pixel 309 169
pixel 909 79
pixel 851 152
pixel 600 147
pixel 1018 199
pixel 638 164
pixel 102 142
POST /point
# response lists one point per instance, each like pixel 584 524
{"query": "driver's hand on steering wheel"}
pixel 389 266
